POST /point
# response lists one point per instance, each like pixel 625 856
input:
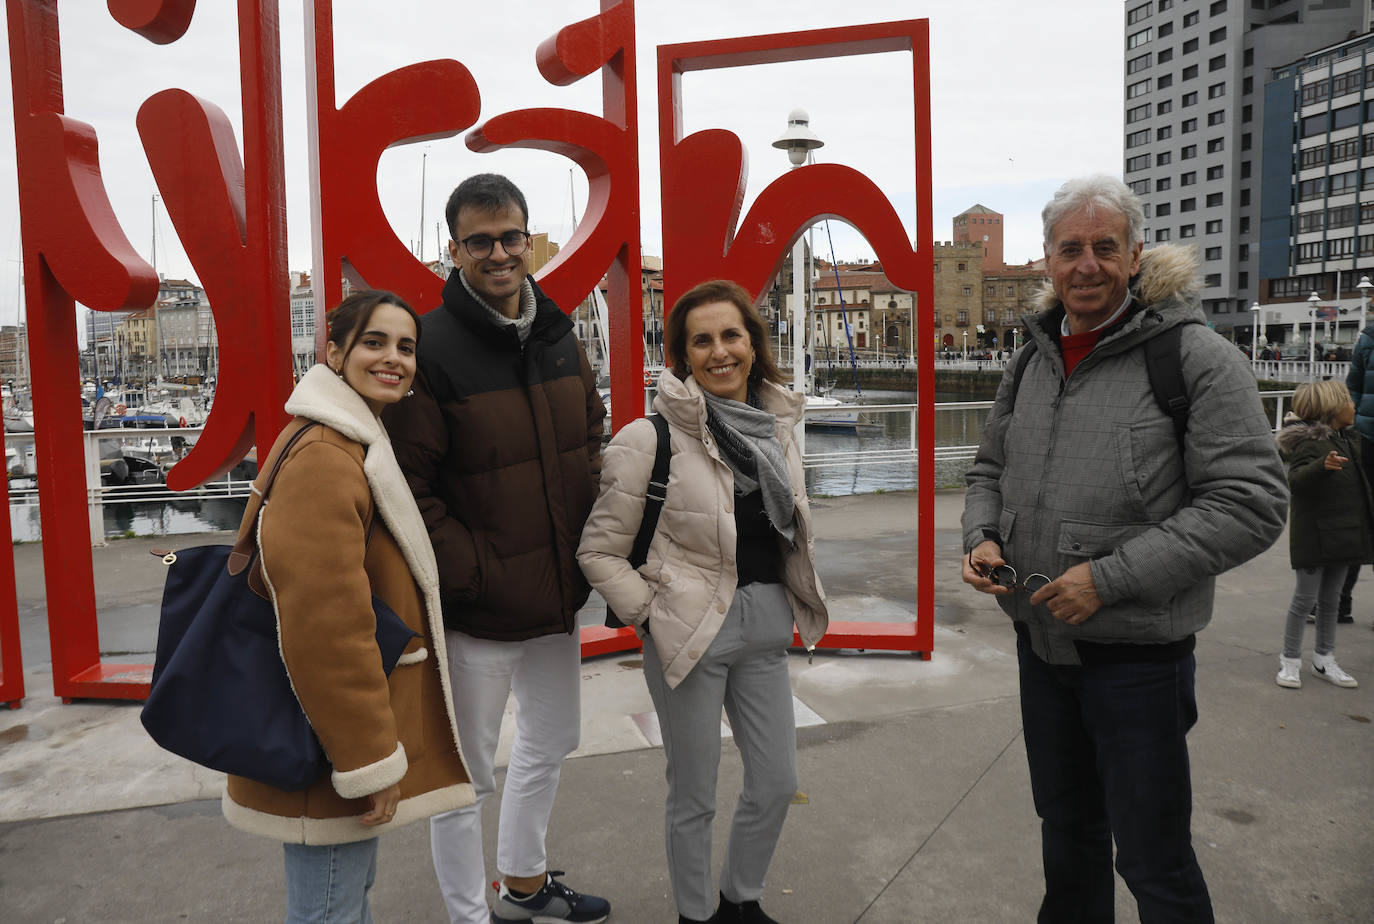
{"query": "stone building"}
pixel 981 225
pixel 1008 295
pixel 958 294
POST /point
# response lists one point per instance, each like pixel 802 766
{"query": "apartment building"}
pixel 1194 85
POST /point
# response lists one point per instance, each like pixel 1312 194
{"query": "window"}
pixel 1244 224
pixel 963 268
pixel 1216 63
pixel 1339 183
pixel 963 318
pixel 1162 234
pixel 1345 117
pixel 1311 221
pixel 1166 5
pixel 1164 81
pixel 1189 72
pixel 1162 158
pixel 1247 113
pixel 1139 88
pixel 1248 59
pixel 1190 19
pixel 1216 173
pixel 1314 92
pixel 1190 46
pixel 1188 99
pixel 1136 15
pixel 1216 36
pixel 1216 90
pixel 1247 86
pixel 1187 152
pixel 1366 245
pixel 937 314
pixel 1166 55
pixel 1166 28
pixel 1244 197
pixel 1140 187
pixel 1138 113
pixel 1162 210
pixel 1217 8
pixel 1162 184
pixel 990 314
pixel 1187 230
pixel 1136 139
pixel 1164 132
pixel 1139 63
pixel 1216 118
pixel 1011 290
pixel 1188 179
pixel 1341 217
pixel 968 290
pixel 1216 144
pixel 1163 107
pixel 1311 157
pixel 1349 82
pixel 1212 253
pixel 1312 189
pixel 1139 162
pixel 1187 205
pixel 1245 142
pixel 1310 253
pixel 1342 151
pixel 1367 213
pixel 1136 39
pixel 1212 280
pixel 1214 199
pixel 1312 125
pixel 1243 252
pixel 1189 125
pixel 1213 226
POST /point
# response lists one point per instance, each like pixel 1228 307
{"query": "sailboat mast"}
pixel 424 156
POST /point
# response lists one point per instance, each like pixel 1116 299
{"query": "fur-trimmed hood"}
pixel 321 395
pixel 1167 272
pixel 1296 431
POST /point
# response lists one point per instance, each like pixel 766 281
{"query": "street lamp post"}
pixel 1312 300
pixel 966 346
pixel 798 141
pixel 1364 285
pixel 1254 333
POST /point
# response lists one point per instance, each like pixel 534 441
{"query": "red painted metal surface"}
pixel 230 216
pixel 703 181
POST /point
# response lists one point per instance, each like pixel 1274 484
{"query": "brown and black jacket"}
pixel 501 446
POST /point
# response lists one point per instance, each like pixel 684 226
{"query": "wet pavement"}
pixel 914 805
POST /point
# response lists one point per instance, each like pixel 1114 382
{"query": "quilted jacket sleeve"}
pixel 983 500
pixel 312 539
pixel 610 531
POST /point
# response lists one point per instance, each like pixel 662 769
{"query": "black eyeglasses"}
pixel 479 246
pixel 1005 576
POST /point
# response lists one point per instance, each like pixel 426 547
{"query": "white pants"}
pixel 544 674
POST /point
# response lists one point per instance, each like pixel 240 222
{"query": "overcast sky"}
pixel 1023 96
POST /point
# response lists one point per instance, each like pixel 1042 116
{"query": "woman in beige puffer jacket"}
pixel 730 571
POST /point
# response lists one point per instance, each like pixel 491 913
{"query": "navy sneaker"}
pixel 555 903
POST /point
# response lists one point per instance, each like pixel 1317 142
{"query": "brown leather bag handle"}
pixel 246 546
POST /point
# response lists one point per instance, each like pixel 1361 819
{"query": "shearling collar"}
pixel 1296 431
pixel 321 395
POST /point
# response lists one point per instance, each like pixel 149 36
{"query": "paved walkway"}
pixel 917 804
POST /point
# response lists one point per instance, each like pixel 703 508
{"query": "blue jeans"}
pixel 328 884
pixel 1108 756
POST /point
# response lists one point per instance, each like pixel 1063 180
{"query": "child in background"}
pixel 1330 527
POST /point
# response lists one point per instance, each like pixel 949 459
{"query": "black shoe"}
pixel 1347 618
pixel 743 913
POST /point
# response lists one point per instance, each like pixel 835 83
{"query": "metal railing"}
pixel 870 414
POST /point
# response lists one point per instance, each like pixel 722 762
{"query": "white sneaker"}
pixel 1325 667
pixel 1290 673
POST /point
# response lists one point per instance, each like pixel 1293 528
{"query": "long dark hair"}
pixel 764 368
pixel 352 315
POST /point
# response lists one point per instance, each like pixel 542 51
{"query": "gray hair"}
pixel 1091 193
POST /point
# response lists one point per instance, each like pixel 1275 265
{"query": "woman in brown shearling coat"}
pixel 339 526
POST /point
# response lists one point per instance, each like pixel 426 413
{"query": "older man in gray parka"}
pixel 1101 532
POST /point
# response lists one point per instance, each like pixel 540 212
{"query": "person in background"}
pixel 1359 381
pixel 1331 528
pixel 1101 530
pixel 730 571
pixel 341 527
pixel 501 446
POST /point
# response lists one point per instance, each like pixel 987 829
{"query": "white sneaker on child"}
pixel 1325 667
pixel 1290 673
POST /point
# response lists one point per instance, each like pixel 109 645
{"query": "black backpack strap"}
pixel 1164 364
pixel 654 494
pixel 1027 352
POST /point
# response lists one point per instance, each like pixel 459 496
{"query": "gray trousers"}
pixel 744 670
pixel 1324 586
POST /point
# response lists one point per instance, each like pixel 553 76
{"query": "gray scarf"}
pixel 748 440
pixel 522 322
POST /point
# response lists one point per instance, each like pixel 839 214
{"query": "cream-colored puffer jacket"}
pixel 687 584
